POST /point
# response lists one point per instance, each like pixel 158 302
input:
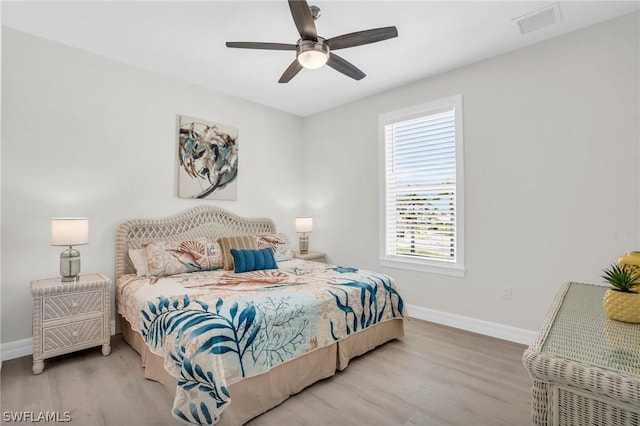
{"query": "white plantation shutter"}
pixel 421 188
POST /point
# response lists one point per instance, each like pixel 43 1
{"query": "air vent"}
pixel 538 19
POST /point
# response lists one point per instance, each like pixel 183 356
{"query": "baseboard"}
pixel 501 331
pixel 17 349
pixel 24 347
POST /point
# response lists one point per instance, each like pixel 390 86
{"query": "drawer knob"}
pixel 74 305
pixel 74 334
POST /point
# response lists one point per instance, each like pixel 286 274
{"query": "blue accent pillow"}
pixel 253 260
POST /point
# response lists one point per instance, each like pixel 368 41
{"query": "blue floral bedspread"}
pixel 223 326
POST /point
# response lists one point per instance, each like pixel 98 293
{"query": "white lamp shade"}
pixel 312 59
pixel 69 231
pixel 304 224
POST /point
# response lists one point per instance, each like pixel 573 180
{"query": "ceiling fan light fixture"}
pixel 313 54
pixel 312 51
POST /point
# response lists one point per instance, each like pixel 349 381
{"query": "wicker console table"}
pixel 585 367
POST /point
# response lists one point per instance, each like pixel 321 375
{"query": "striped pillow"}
pixel 239 242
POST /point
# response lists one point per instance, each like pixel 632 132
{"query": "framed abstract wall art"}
pixel 208 159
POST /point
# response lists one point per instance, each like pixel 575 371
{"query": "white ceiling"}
pixel 186 40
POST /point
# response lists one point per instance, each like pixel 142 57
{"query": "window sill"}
pixel 423 266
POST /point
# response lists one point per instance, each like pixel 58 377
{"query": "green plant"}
pixel 622 278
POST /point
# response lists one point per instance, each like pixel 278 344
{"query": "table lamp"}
pixel 304 225
pixel 69 231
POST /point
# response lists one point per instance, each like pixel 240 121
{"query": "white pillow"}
pixel 139 260
pixel 279 243
pixel 165 258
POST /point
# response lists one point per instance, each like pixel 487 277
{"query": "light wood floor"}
pixel 435 375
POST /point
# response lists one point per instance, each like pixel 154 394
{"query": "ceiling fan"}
pixel 313 51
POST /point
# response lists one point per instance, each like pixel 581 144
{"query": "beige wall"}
pixel 551 173
pixel 551 166
pixel 86 136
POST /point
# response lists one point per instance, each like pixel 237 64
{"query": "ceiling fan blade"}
pixel 303 19
pixel 266 46
pixel 345 67
pixel 362 37
pixel 290 72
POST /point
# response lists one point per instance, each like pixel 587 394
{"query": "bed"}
pixel 231 345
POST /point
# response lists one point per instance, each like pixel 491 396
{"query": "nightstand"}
pixel 70 316
pixel 315 256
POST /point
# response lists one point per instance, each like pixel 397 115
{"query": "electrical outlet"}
pixel 506 292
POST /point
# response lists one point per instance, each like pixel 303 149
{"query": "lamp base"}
pixel 69 264
pixel 304 244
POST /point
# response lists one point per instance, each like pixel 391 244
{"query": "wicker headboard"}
pixel 198 222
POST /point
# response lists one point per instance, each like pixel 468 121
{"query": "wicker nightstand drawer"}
pixel 68 305
pixel 69 316
pixel 74 334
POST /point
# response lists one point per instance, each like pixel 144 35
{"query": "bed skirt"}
pixel 255 395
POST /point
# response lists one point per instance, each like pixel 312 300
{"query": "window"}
pixel 422 203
